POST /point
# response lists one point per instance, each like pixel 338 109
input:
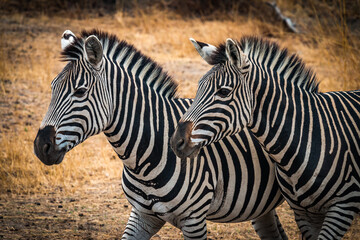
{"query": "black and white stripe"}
pixel 128 97
pixel 313 137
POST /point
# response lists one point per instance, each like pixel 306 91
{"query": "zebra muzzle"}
pixel 45 147
pixel 181 143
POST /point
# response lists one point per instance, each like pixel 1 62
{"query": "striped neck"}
pixel 278 119
pixel 144 112
pixel 311 136
pixel 277 81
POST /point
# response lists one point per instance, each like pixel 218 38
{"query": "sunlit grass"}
pixel 22 172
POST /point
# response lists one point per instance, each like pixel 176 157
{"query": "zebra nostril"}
pixel 180 145
pixel 46 148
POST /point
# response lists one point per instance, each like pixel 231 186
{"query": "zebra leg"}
pixel 141 226
pixel 309 224
pixel 268 226
pixel 194 228
pixel 337 222
pixel 280 228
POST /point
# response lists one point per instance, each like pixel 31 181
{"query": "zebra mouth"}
pixel 188 152
pixel 194 151
pixel 46 149
pixel 181 142
pixel 185 150
pixel 53 158
pixel 60 158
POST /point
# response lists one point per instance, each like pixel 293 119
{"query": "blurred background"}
pixel 82 197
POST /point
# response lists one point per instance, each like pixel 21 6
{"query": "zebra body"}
pixel 108 86
pixel 314 138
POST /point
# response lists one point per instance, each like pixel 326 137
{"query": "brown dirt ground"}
pixel 100 211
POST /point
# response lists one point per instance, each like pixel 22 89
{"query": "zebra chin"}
pixel 53 159
pixel 45 148
pixel 187 152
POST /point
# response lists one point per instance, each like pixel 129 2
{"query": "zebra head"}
pixel 80 102
pixel 222 105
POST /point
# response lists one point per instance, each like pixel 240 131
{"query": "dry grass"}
pixel 29 54
pixel 23 173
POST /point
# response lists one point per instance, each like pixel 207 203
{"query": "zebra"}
pixel 109 86
pixel 313 137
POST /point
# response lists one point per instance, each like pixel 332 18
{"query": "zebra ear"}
pixel 67 38
pixel 204 49
pixel 235 55
pixel 94 50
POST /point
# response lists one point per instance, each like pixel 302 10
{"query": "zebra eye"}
pixel 80 92
pixel 223 92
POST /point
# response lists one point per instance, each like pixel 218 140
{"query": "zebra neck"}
pixel 300 127
pixel 144 113
pixel 314 139
pixel 280 121
pixel 143 123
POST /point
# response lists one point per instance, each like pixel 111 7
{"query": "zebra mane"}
pixel 256 48
pixel 112 48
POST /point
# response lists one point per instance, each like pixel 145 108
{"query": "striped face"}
pixel 80 105
pixel 222 105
